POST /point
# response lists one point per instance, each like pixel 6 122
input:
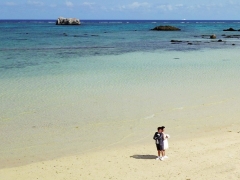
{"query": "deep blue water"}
pixel 33 42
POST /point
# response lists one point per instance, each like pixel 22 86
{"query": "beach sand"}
pixel 99 123
pixel 212 154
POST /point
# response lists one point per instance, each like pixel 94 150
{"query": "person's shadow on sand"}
pixel 143 156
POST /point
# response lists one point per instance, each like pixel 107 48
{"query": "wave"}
pixel 203 22
pixel 115 22
pixel 111 22
pixel 212 22
pixel 56 48
pixel 38 22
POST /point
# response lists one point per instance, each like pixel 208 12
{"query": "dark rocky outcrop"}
pixel 185 42
pixel 176 41
pixel 166 28
pixel 67 21
pixel 230 29
pixel 233 36
pixel 205 36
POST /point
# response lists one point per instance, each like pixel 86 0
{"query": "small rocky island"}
pixel 166 28
pixel 231 29
pixel 67 21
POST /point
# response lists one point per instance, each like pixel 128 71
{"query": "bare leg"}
pixel 159 152
pixel 163 153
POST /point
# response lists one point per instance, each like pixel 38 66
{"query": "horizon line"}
pixel 139 19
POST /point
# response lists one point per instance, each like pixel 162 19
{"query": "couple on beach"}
pixel 161 143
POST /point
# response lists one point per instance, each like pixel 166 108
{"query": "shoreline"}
pixel 210 156
pixel 120 102
pixel 134 93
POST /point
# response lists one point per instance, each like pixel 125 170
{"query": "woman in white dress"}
pixel 165 142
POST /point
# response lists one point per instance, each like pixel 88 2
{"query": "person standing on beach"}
pixel 165 142
pixel 159 137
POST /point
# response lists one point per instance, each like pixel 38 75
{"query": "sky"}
pixel 122 9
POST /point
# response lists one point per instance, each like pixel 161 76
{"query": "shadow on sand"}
pixel 144 156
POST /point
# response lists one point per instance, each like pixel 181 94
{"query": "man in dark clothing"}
pixel 159 137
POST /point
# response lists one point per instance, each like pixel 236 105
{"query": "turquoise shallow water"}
pixel 57 89
pixel 99 102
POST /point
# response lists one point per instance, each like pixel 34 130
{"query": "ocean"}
pixel 40 42
pixel 72 89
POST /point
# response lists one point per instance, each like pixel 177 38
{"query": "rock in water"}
pixel 176 41
pixel 166 28
pixel 213 36
pixel 67 21
pixel 230 29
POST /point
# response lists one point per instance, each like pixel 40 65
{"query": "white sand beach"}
pixel 212 154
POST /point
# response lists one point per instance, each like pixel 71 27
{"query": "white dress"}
pixel 165 141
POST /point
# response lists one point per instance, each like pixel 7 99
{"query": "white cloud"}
pixel 36 3
pixel 170 7
pixel 132 6
pixel 209 7
pixel 136 5
pixel 166 7
pixel 10 3
pixel 88 4
pixel 69 4
pixel 91 5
